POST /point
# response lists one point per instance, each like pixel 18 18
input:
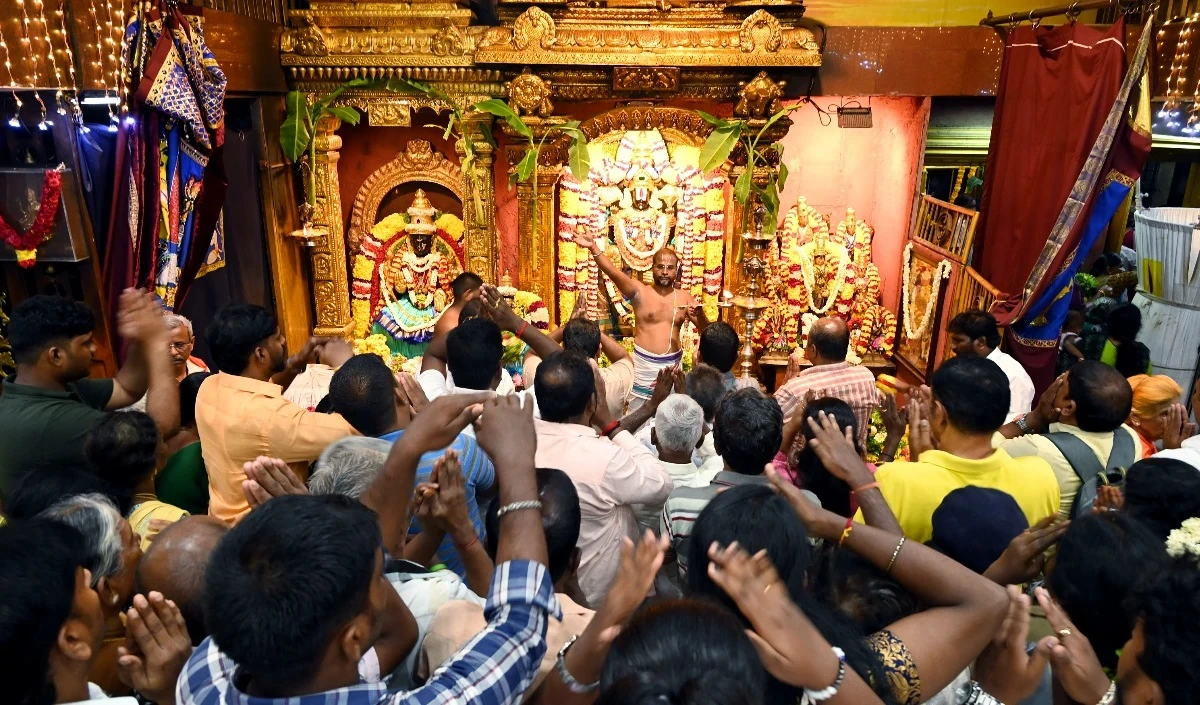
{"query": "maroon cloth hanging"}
pixel 1056 89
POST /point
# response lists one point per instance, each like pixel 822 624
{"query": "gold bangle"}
pixel 895 554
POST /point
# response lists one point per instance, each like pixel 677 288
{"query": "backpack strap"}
pixel 1081 458
pixel 1123 452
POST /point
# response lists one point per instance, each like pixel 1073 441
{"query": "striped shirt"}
pixel 853 384
pixel 479 474
pixel 494 668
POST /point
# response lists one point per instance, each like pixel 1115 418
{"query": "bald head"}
pixel 828 341
pixel 175 564
pixel 665 267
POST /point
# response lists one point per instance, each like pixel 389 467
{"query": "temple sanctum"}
pixel 342 163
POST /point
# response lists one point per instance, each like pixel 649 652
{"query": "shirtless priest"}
pixel 659 311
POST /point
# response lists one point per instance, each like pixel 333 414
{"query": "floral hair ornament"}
pixel 1185 541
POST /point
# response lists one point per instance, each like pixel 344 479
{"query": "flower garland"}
pixel 1185 541
pixel 939 273
pixel 26 243
pixel 835 286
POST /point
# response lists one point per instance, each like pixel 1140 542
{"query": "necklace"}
pixel 941 271
pixel 656 236
pixel 835 286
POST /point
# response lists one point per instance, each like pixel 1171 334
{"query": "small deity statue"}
pixel 824 265
pixel 414 282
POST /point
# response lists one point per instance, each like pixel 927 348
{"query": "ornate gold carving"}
pixel 330 288
pixel 305 40
pixel 760 97
pixel 529 94
pixel 536 263
pixel 481 237
pixel 760 32
pixel 534 27
pixel 418 162
pixel 649 79
pixel 448 41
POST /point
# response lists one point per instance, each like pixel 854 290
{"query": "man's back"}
pixel 1037 445
pixel 239 419
pixel 853 384
pixel 915 490
pixel 610 477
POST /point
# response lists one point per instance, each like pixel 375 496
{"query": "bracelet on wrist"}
pixel 820 696
pixel 568 680
pixel 464 546
pixel 1110 695
pixel 610 427
pixel 518 506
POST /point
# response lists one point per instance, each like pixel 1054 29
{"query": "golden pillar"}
pixel 479 197
pixel 536 264
pixel 330 288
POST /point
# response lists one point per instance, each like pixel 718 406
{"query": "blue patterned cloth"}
pixel 479 474
pixel 494 668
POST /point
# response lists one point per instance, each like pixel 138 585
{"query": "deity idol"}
pixel 641 224
pixel 415 282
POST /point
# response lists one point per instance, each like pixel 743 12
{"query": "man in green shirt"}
pixel 49 405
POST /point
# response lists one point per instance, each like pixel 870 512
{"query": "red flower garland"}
pixel 26 243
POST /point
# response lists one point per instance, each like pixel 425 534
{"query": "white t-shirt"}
pixel 1019 383
pixel 435 384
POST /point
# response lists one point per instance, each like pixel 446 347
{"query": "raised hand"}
pixel 580 310
pixel 664 385
pixel 835 448
pixel 267 478
pixel 442 420
pixel 639 565
pixel 140 317
pixel 505 431
pixel 601 418
pixel 1108 499
pixel 894 418
pixel 411 393
pixel 1004 670
pixel 157 647
pixel 1046 413
pixel 1074 662
pixel 499 311
pixel 1177 428
pixel 780 629
pixel 920 434
pixel 584 240
pixel 678 380
pixel 447 507
pixel 1025 557
pixel 795 363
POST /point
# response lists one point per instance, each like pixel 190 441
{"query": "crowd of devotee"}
pixel 301 525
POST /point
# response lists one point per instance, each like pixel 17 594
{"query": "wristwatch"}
pixel 568 680
pixel 1020 421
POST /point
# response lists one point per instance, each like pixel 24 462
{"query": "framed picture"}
pixel 919 354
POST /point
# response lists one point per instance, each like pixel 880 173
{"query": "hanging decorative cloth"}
pixel 171 178
pixel 26 243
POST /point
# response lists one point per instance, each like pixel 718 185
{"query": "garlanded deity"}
pixel 403 275
pixel 640 196
pixel 822 273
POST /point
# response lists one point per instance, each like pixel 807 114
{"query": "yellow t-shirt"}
pixel 915 490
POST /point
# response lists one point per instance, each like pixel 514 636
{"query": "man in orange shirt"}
pixel 241 413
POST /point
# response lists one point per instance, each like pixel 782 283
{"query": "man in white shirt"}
pixel 975 334
pixel 611 470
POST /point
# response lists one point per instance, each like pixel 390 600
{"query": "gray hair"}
pixel 174 321
pixel 679 423
pixel 96 518
pixel 349 466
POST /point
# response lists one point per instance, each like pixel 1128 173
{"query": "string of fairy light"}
pixel 99 63
pixel 27 44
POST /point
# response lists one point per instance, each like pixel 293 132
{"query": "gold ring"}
pixel 1064 632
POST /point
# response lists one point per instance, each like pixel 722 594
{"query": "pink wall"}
pixel 875 171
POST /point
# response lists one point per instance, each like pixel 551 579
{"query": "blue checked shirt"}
pixel 478 472
pixel 494 668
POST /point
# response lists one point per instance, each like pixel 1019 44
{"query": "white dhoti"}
pixel 646 366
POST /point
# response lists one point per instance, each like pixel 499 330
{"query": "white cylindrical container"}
pixel 1168 249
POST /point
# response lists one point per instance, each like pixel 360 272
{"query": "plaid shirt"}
pixel 495 667
pixel 854 385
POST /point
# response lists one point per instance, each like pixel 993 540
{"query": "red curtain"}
pixel 1056 89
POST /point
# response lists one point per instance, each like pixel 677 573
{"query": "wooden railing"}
pixel 947 227
pixel 971 293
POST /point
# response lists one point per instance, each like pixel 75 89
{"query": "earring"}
pixel 115 599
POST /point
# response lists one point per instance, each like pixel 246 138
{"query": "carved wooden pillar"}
pixel 536 265
pixel 330 289
pixel 481 237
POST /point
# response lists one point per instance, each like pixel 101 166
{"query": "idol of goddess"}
pixel 414 281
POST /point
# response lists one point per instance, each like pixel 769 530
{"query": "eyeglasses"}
pixel 181 346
